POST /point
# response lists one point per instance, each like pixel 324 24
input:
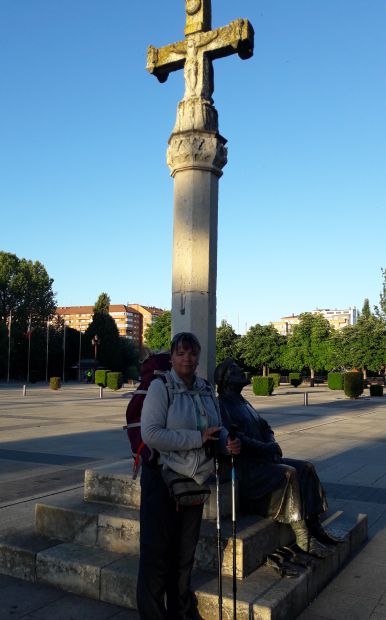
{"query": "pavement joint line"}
pixel 326 423
pixel 35 497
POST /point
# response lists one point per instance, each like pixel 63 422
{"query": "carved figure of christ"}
pixel 196 54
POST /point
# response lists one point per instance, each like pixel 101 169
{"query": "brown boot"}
pixel 307 542
pixel 318 531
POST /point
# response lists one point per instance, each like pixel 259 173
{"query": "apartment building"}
pixel 128 320
pixel 337 319
pixel 148 313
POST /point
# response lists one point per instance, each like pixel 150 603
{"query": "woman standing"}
pixel 178 429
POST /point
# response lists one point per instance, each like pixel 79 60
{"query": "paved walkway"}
pixel 48 438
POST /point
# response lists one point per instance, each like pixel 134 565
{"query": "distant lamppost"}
pixel 95 340
pixel 29 345
pixel 80 351
pixel 64 352
pixel 9 325
pixel 47 341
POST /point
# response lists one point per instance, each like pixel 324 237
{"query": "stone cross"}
pixel 196 156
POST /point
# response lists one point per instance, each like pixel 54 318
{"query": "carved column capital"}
pixel 199 150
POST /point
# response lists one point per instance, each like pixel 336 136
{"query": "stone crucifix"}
pixel 196 156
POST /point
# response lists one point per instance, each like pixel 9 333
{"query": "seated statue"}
pixel 287 490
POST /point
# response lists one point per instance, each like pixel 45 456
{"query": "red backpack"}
pixel 153 366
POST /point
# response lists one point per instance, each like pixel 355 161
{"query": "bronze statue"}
pixel 287 490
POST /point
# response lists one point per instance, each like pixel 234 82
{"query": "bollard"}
pixel 305 399
pixel 24 390
pixel 100 391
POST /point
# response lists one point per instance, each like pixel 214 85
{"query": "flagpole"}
pixel 80 351
pixel 64 351
pixel 9 344
pixel 29 346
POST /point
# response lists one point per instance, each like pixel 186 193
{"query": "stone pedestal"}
pixel 196 159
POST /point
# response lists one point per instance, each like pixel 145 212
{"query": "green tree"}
pixel 309 346
pixel 226 342
pixel 102 334
pixel 366 311
pixel 158 335
pixel 380 310
pixel 262 347
pixel 102 304
pixel 25 290
pixel 365 344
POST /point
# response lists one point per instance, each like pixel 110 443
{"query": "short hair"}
pixel 187 340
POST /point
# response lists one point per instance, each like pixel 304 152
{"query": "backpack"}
pixel 153 366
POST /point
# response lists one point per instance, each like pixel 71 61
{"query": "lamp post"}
pixel 29 345
pixel 80 351
pixel 9 344
pixel 48 336
pixel 95 340
pixel 64 352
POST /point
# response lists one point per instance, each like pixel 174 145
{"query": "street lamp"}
pixel 9 326
pixel 64 352
pixel 48 337
pixel 80 351
pixel 29 331
pixel 95 340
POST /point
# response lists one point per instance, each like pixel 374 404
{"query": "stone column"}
pixel 196 159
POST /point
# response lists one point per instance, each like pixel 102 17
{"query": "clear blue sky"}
pixel 84 186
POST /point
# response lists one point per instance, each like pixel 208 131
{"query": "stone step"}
pixel 111 576
pixel 116 528
pixel 115 485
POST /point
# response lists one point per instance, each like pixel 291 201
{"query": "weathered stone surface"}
pixel 196 150
pixel 65 524
pixel 119 581
pixel 73 567
pixel 112 488
pixel 118 534
pixel 18 554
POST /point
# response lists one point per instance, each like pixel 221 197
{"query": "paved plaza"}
pixel 48 438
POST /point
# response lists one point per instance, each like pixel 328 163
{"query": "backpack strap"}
pixel 168 382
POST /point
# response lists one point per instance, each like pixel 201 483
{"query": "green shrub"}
pixel 376 389
pixel 276 378
pixel 353 384
pixel 263 386
pixel 114 380
pixel 54 383
pixel 295 378
pixel 101 377
pixel 335 380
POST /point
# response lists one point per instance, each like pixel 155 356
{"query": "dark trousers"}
pixel 168 541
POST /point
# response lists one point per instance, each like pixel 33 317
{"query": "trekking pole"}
pixel 217 473
pixel 232 435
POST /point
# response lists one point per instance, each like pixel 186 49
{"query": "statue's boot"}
pixel 318 531
pixel 308 543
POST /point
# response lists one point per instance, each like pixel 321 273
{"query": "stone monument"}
pixel 196 156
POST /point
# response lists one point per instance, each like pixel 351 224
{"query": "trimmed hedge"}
pixel 376 389
pixel 114 380
pixel 295 378
pixel 335 380
pixel 353 384
pixel 54 383
pixel 101 377
pixel 276 378
pixel 263 386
